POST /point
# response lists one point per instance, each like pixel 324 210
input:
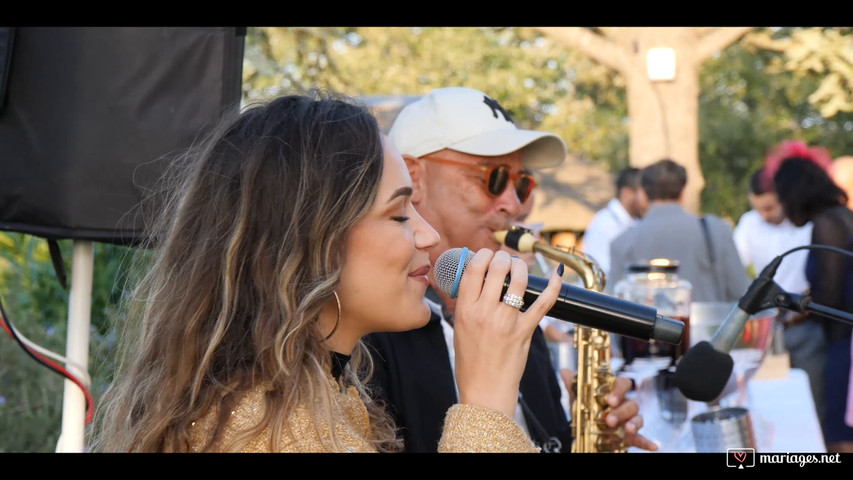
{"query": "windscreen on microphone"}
pixel 449 268
pixel 702 373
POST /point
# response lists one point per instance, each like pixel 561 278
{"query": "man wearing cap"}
pixel 467 160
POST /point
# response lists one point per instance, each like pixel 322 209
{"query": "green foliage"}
pixel 744 111
pixel 822 54
pixel 542 84
pixel 774 84
pixel 31 395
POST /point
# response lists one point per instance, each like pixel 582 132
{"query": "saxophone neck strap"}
pixel 548 443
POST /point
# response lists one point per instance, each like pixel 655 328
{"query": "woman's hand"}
pixel 491 337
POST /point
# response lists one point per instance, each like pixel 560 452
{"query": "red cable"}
pixel 6 327
pixel 57 368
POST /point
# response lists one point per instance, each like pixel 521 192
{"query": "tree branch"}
pixel 717 40
pixel 596 46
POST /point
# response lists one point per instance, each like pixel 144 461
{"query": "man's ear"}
pixel 416 171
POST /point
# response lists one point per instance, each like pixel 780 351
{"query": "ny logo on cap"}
pixel 496 107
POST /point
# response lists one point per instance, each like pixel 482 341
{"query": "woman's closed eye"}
pixel 402 198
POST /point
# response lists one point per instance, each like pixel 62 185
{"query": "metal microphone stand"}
pixel 764 293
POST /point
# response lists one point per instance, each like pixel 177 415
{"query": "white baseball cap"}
pixel 469 121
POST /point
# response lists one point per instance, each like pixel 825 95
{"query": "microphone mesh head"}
pixel 449 269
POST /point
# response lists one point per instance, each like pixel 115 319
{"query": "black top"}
pixel 339 361
pixel 829 273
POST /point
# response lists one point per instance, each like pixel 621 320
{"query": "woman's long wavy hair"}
pixel 805 188
pixel 247 250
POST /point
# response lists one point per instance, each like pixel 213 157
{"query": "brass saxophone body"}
pixel 594 379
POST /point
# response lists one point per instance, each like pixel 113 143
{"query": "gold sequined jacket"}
pixel 467 428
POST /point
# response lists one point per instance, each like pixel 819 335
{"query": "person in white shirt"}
pixel 629 205
pixel 764 232
pixel 761 235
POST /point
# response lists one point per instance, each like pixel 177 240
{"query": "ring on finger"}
pixel 513 300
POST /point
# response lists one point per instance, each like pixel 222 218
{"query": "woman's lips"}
pixel 421 273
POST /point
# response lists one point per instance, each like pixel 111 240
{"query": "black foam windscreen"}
pixel 93 113
pixel 702 373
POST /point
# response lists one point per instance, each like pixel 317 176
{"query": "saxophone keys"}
pixel 610 443
pixel 604 388
pixel 599 419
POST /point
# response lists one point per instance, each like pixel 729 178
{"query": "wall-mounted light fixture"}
pixel 660 63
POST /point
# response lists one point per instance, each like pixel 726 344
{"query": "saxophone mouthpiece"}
pixel 500 236
pixel 517 238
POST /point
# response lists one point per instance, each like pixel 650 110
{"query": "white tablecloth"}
pixel 784 408
pixel 782 412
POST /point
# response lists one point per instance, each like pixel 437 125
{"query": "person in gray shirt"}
pixel 703 246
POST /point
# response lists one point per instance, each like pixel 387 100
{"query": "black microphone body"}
pixel 576 305
pixel 604 312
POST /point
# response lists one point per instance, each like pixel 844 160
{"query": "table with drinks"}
pixel 765 405
pixel 774 414
pixel 772 403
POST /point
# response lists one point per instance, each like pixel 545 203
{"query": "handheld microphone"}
pixel 574 304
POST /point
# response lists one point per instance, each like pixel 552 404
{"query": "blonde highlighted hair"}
pixel 247 249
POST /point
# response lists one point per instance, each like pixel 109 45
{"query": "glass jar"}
pixel 656 283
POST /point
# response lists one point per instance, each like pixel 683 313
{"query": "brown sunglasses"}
pixel 497 177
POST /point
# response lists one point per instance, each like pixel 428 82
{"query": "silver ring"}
pixel 513 300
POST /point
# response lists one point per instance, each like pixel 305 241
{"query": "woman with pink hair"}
pixel 801 178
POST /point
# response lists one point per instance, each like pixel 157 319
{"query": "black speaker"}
pixel 92 112
pixel 7 35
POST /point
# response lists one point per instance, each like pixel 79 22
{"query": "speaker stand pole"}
pixel 72 436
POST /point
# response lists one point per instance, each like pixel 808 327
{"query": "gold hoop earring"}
pixel 338 321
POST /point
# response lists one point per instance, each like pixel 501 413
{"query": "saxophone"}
pixel 594 379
